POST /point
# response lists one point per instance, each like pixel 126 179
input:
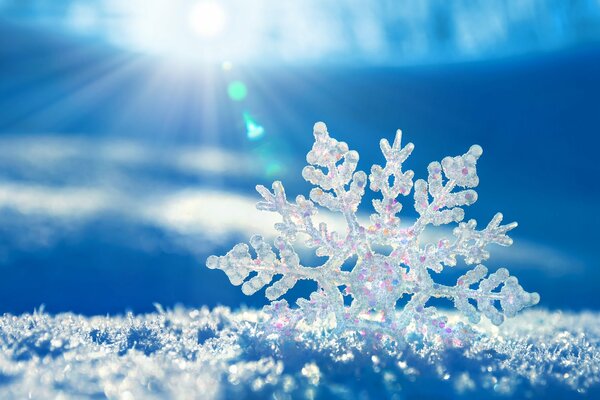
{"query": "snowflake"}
pixel 379 279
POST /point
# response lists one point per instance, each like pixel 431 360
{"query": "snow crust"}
pixel 219 354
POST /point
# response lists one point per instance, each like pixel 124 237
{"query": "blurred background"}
pixel 132 133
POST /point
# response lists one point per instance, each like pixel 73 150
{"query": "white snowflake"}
pixel 378 280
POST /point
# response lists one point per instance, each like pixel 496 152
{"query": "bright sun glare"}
pixel 207 19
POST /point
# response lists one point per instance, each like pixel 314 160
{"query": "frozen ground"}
pixel 190 353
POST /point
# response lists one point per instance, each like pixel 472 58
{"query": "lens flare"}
pixel 227 66
pixel 254 131
pixel 237 91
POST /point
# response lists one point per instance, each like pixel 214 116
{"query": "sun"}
pixel 207 19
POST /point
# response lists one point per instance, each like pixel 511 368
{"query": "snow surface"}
pixel 198 353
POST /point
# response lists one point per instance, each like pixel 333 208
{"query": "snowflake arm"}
pixel 238 264
pixel 469 243
pixel 446 204
pixel 330 193
pixel 512 297
pixel 386 209
pixel 298 218
pixel 331 179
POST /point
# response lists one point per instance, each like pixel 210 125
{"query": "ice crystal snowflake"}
pixel 378 280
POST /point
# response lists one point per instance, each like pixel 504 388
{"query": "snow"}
pixel 219 353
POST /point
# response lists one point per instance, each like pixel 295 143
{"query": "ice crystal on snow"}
pixel 379 279
pixel 220 354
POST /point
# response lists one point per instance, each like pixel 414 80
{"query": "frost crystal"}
pixel 379 279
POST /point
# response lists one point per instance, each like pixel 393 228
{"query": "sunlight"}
pixel 207 19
